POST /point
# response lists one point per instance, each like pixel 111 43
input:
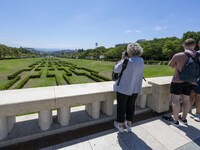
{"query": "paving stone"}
pixel 109 140
pixel 164 134
pixel 194 145
pixel 141 139
pixel 79 144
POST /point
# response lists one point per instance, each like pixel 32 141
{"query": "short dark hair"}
pixel 189 42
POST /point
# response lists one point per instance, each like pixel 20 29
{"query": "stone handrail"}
pixel 95 96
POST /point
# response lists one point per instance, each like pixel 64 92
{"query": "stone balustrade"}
pixel 97 97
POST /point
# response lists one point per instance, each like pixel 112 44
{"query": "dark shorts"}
pixel 184 88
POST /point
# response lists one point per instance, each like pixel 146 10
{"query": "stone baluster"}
pixel 45 119
pixel 64 115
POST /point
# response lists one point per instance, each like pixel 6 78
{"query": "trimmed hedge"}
pixel 93 77
pixel 50 74
pixel 89 70
pixel 67 72
pixel 12 76
pixel 51 68
pixel 66 79
pixel 10 83
pixel 155 62
pixel 58 80
pixel 36 63
pixel 101 77
pixel 23 82
pixel 60 68
pixel 87 75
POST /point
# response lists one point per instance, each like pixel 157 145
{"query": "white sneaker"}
pixel 128 128
pixel 120 129
pixel 196 117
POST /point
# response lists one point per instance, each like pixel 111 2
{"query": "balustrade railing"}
pixel 97 98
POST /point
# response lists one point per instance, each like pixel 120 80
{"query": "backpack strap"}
pixel 124 65
pixel 188 55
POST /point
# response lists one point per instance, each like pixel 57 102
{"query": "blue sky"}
pixel 71 24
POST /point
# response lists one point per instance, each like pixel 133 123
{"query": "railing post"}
pixel 64 115
pixel 95 110
pixel 45 119
pixel 142 101
pixel 3 127
pixel 88 108
pixel 11 121
pixel 107 107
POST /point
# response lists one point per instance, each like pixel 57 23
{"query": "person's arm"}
pixel 118 66
pixel 172 62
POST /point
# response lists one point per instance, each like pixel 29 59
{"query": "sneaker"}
pixel 171 120
pixel 196 117
pixel 120 129
pixel 128 128
pixel 183 121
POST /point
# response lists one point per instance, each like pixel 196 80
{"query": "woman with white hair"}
pixel 129 86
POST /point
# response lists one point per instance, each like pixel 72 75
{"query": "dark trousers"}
pixel 125 107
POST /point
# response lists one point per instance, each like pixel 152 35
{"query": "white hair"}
pixel 135 49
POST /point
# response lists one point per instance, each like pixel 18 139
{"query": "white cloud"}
pixel 128 31
pixel 138 31
pixel 160 28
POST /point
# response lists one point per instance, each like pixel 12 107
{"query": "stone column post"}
pixel 3 127
pixel 45 119
pixel 64 115
pixel 95 110
pixel 11 121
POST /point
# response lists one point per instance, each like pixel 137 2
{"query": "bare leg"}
pixel 175 106
pixel 192 100
pixel 197 103
pixel 186 106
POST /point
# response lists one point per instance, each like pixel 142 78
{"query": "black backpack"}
pixel 116 76
pixel 191 70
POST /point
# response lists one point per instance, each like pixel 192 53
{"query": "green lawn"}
pixel 8 67
pixel 104 68
pixel 40 82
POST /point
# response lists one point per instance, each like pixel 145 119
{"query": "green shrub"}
pixel 89 70
pixel 66 79
pixel 101 77
pixel 87 75
pixel 68 73
pixel 50 74
pixel 165 62
pixel 58 79
pixel 10 83
pixel 60 68
pixel 22 83
pixel 38 69
pixel 12 76
pixel 93 77
pixel 51 68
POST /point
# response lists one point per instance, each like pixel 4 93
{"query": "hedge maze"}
pixel 50 72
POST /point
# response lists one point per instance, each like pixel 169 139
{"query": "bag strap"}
pixel 189 56
pixel 123 68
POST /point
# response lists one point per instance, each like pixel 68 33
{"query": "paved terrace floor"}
pixel 149 134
